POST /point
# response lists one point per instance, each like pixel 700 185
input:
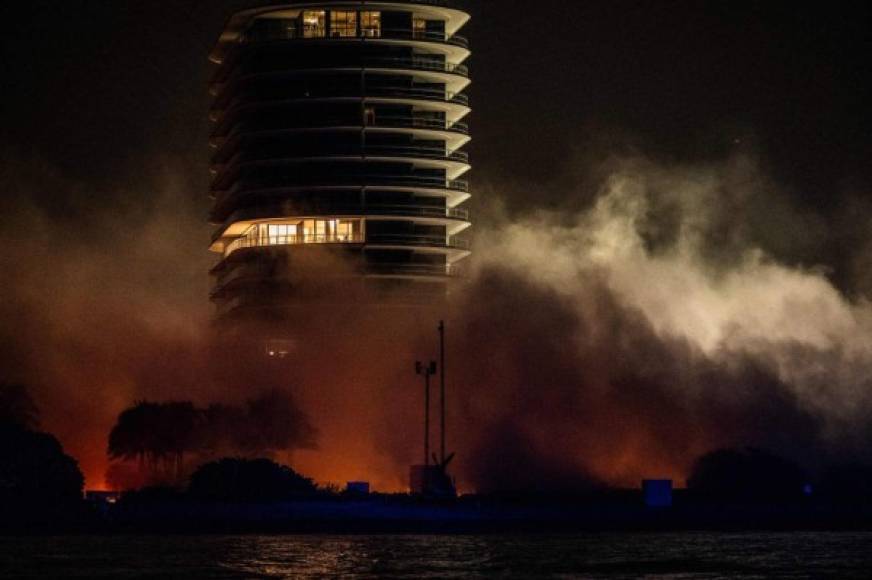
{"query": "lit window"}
pixel 345 230
pixel 370 24
pixel 369 116
pixel 282 234
pixel 314 23
pixel 419 28
pixel 310 231
pixel 343 23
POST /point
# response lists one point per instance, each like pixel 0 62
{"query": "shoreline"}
pixel 389 516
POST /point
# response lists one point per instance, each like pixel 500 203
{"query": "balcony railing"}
pixel 412 210
pixel 239 160
pixel 242 157
pixel 421 123
pixel 221 80
pixel 449 242
pixel 266 241
pixel 452 242
pixel 380 122
pixel 408 93
pixel 417 64
pixel 341 181
pixel 304 209
pixel 412 270
pixel 295 33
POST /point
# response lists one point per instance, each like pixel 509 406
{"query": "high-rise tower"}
pixel 339 133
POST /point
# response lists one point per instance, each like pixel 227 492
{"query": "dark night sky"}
pixel 100 88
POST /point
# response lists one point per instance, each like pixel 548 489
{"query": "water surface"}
pixel 673 556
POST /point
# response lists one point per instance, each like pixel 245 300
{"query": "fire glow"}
pixel 579 351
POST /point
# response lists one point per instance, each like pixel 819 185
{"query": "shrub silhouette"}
pixel 847 483
pixel 158 436
pixel 36 476
pixel 249 480
pixel 746 474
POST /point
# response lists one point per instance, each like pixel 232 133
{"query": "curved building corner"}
pixel 339 168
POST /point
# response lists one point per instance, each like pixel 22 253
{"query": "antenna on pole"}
pixel 427 371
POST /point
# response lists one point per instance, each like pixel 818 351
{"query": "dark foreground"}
pixel 402 515
pixel 609 555
pixel 177 513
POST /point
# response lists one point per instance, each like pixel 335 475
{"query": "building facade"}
pixel 339 164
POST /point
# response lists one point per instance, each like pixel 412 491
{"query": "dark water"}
pixel 673 556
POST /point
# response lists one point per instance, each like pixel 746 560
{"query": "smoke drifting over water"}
pixel 607 343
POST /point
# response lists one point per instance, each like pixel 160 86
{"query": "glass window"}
pixel 370 23
pixel 314 23
pixel 310 231
pixel 343 23
pixel 345 230
pixel 419 28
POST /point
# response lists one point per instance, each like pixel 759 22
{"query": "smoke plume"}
pixel 665 311
pixel 628 338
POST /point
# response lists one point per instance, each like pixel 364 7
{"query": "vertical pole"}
pixel 363 120
pixel 426 416
pixel 442 391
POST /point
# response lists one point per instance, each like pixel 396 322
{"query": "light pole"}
pixel 427 371
pixel 442 391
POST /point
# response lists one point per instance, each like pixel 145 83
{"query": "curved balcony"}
pixel 223 78
pixel 346 94
pixel 326 209
pixel 336 136
pixel 221 134
pixel 404 270
pixel 231 173
pixel 284 34
pixel 441 242
pixel 295 240
pixel 396 182
pixel 388 240
pixel 241 157
pixel 240 110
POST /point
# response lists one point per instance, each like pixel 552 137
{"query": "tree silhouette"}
pixel 248 480
pixel 131 437
pixel 155 434
pixel 35 474
pixel 177 424
pixel 747 474
pixel 161 434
